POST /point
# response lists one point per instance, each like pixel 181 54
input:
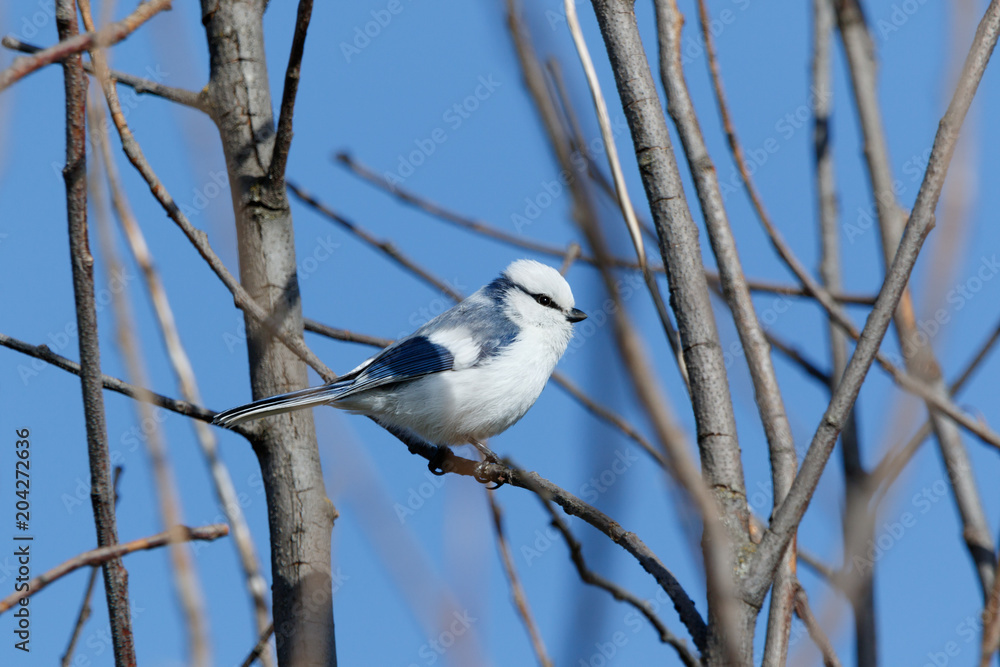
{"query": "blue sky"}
pixel 406 575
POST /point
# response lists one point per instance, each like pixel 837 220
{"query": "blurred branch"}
pixel 516 590
pixel 731 619
pixel 72 44
pixel 918 356
pixel 819 637
pixel 222 482
pixel 85 610
pixel 260 647
pixel 43 353
pixel 502 473
pixel 283 134
pixel 140 85
pixel 82 263
pixel 770 404
pixel 103 555
pixel 186 586
pixel 617 592
pixel 786 518
pixel 857 525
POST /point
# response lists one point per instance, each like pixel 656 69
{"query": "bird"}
pixel 465 376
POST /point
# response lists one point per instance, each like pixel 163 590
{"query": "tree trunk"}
pixel 300 515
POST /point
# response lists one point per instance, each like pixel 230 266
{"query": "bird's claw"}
pixel 484 477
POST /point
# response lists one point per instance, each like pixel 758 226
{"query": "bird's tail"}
pixel 275 405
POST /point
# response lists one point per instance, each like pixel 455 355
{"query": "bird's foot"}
pixel 436 463
pixel 484 473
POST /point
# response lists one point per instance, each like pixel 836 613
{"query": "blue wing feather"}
pixel 407 360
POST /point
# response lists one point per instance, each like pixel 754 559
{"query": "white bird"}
pixel 465 376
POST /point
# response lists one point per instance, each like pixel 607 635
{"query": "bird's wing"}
pixel 408 359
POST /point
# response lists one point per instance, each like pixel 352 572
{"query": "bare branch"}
pixel 43 353
pixel 387 248
pixel 70 45
pixel 918 356
pixel 786 518
pixel 103 555
pixel 283 134
pixel 82 262
pixel 140 85
pixel 803 611
pixel 617 592
pixel 84 614
pixel 260 647
pixel 516 590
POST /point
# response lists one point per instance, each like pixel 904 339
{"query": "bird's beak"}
pixel 576 315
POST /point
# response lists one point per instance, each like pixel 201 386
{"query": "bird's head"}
pixel 536 295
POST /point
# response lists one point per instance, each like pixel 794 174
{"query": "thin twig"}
pixel 84 614
pixel 187 587
pixel 187 98
pixel 102 555
pixel 786 518
pixel 919 358
pixel 819 637
pixel 385 247
pixel 82 262
pixel 283 134
pixel 572 505
pixel 70 45
pixel 856 524
pixel 604 121
pixel 222 482
pixel 43 353
pixel 588 576
pixel 258 649
pixel 516 590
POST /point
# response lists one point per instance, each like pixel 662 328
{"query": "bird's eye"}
pixel 543 300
